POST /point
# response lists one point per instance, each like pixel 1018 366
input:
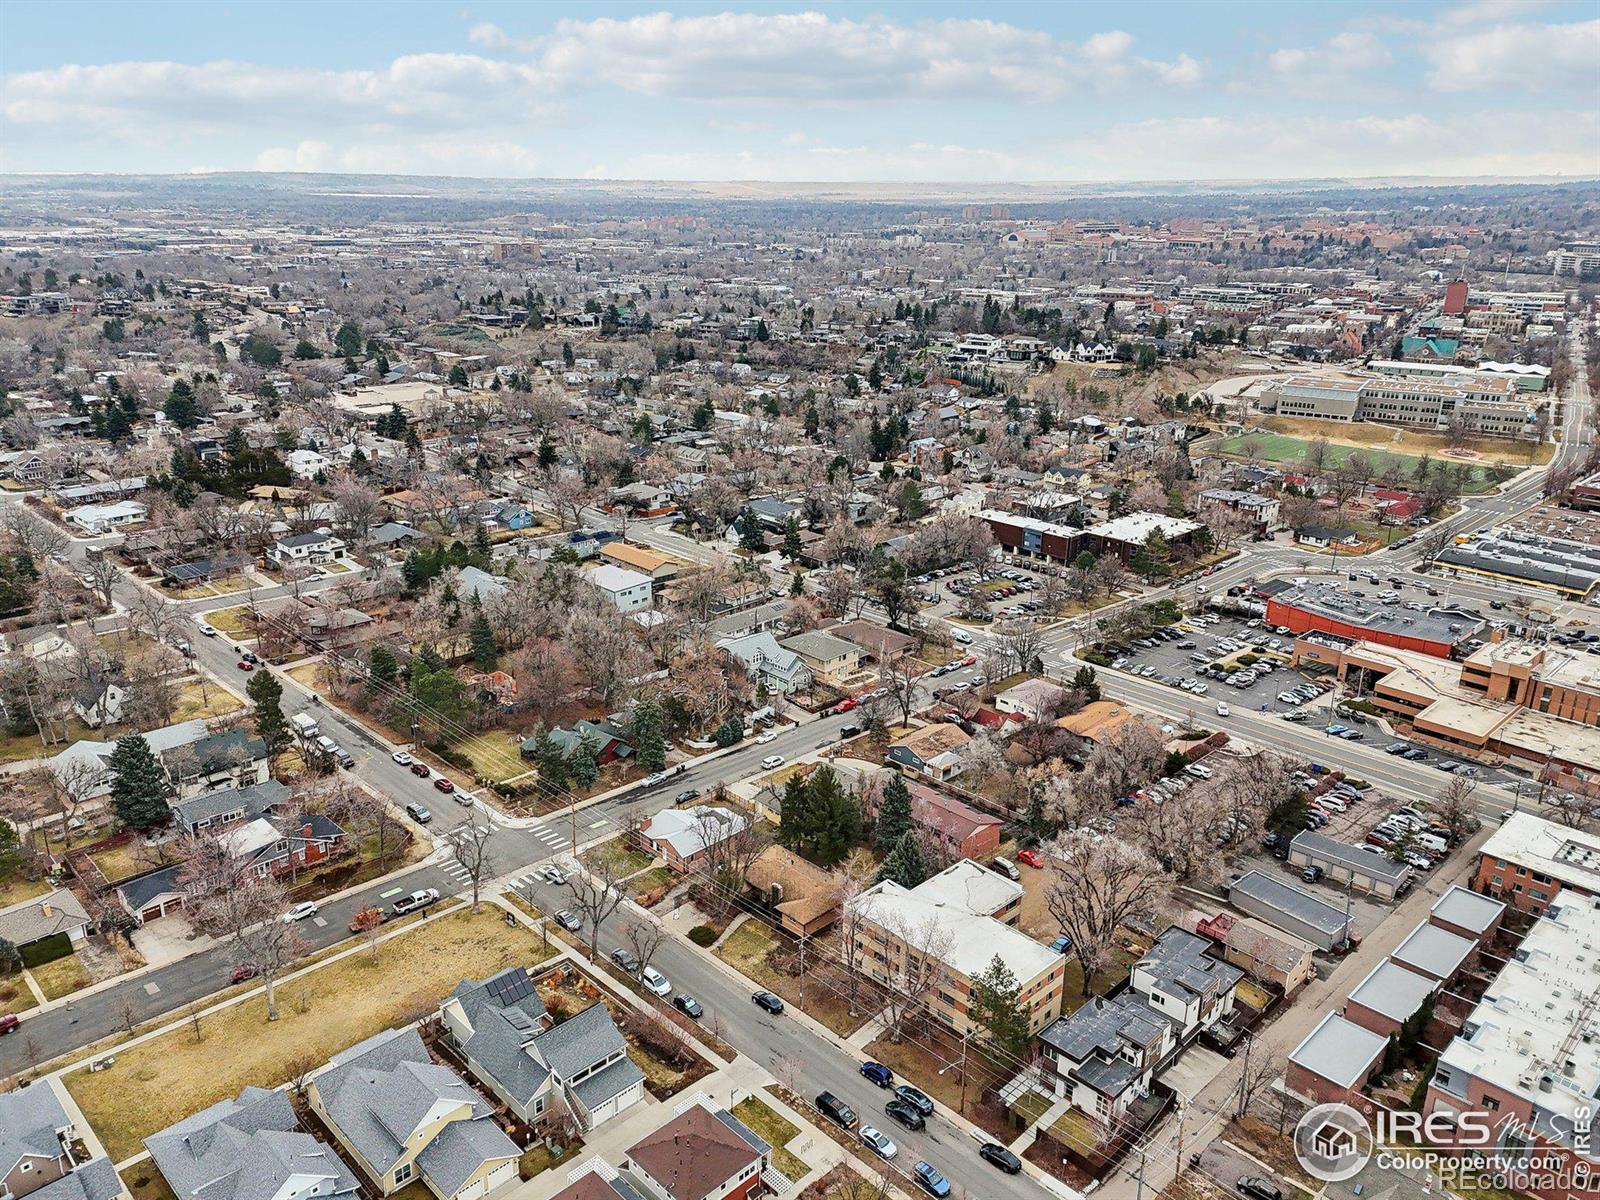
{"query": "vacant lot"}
pixel 320 1013
pixel 495 755
pixel 618 856
pixel 234 621
pixel 208 701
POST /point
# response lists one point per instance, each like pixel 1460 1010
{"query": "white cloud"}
pixel 1341 56
pixel 1533 58
pixel 815 57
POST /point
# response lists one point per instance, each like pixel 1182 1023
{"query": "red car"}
pixel 242 972
pixel 444 785
pixel 969 661
pixel 420 770
pixel 1032 857
pixel 246 666
pixel 845 705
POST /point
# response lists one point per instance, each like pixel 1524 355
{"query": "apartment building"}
pixel 1262 510
pixel 1527 1059
pixel 965 918
pixel 1488 406
pixel 1533 864
pixel 1576 258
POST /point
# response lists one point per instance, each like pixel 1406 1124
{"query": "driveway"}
pixel 168 939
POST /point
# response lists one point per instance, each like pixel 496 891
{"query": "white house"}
pixel 783 671
pixel 318 547
pixel 305 464
pixel 97 518
pixel 628 590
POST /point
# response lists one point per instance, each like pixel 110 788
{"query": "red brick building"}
pixel 701 1154
pixel 960 829
pixel 1528 862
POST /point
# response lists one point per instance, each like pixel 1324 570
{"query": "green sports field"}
pixel 1291 451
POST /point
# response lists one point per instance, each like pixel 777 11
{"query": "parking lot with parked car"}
pixel 1224 659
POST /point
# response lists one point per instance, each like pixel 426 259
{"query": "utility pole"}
pixel 1140 1194
pixel 964 1038
pixel 802 971
pixel 1244 1074
pixel 1183 1111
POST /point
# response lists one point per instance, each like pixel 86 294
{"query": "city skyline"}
pixel 830 93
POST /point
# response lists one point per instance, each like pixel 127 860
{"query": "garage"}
pixel 505 1173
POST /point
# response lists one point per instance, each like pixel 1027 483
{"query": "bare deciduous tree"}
pixel 1095 883
pixel 469 846
pixel 595 896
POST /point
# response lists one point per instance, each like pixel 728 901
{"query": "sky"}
pixel 901 92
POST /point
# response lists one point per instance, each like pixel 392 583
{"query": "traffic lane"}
pixel 1225 1164
pixel 784 1046
pixel 78 1023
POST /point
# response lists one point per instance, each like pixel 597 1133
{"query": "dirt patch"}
pixel 771 960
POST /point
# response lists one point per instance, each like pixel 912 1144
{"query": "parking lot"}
pixel 1214 642
pixel 1005 589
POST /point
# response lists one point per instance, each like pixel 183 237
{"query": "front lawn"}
pixel 776 1131
pixel 212 700
pixel 15 995
pixel 61 977
pixel 320 1013
pixel 233 621
pixel 649 888
pixel 623 859
pixel 536 1158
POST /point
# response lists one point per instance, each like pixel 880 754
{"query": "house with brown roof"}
pixel 960 829
pixel 641 559
pixel 885 645
pixel 805 897
pixel 933 751
pixel 703 1153
pixel 1098 721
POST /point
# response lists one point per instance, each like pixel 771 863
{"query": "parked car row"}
pixel 1412 837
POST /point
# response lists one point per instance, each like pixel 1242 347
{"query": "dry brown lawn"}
pixel 321 1013
pixel 61 977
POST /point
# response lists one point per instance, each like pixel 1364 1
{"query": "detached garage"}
pixel 149 897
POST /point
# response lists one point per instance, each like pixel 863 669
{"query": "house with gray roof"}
pixel 783 671
pixel 1108 1051
pixel 1332 1062
pixel 251 1148
pixel 476 583
pixel 829 658
pixel 229 758
pixel 37 1159
pixel 1386 999
pixel 402 1117
pixel 30 921
pixel 317 547
pixel 84 768
pixel 530 1063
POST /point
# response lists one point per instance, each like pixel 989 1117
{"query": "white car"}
pixel 206 630
pixel 465 799
pixel 401 757
pixel 881 1145
pixel 656 982
pixel 553 874
pixel 306 908
pixel 771 761
pixel 770 735
pixel 1222 709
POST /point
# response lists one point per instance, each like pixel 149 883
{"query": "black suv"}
pixel 1259 1189
pixel 836 1109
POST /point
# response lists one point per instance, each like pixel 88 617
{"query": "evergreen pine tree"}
pixel 381 666
pixel 792 549
pixel 266 693
pixel 894 814
pixel 835 818
pixel 585 763
pixel 547 755
pixel 794 822
pixel 905 864
pixel 138 784
pixel 996 1007
pixel 649 742
pixel 1085 681
pixel 481 638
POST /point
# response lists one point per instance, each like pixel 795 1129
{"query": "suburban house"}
pixel 99 518
pixel 1106 1053
pixel 830 659
pixel 1262 511
pixel 474 583
pixel 961 830
pixel 1323 536
pixel 83 768
pixel 29 921
pixel 228 1151
pixel 230 758
pixel 599 1181
pixel 628 591
pixel 703 1153
pixel 805 897
pixel 98 700
pixel 529 1063
pixel 37 1158
pixel 964 917
pixel 660 567
pixel 610 741
pixel 254 832
pixel 683 836
pixel 403 1117
pixel 933 751
pixel 767 662
pixel 1032 699
pixel 308 548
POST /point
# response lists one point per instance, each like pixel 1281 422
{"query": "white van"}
pixel 1007 868
pixel 962 636
pixel 1432 843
